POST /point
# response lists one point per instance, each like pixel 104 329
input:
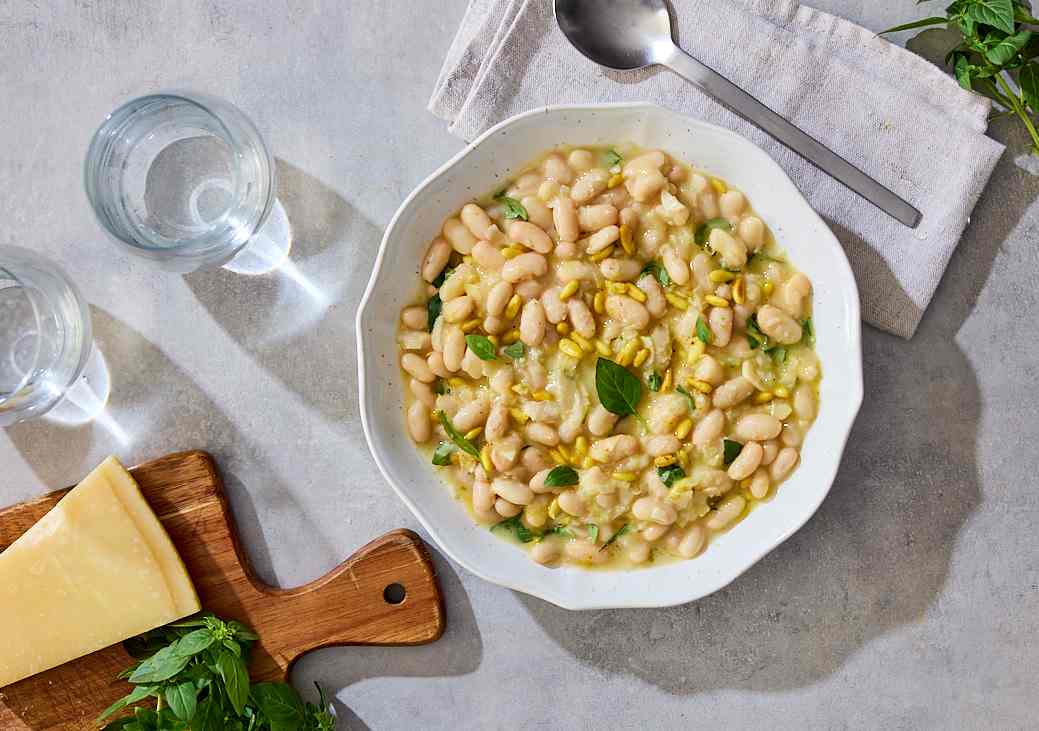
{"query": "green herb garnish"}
pixel 561 476
pixel 433 308
pixel 755 338
pixel 442 454
pixel 702 331
pixel 808 332
pixel 655 381
pixel 460 441
pixel 732 450
pixel 671 474
pixel 623 529
pixel 442 277
pixel 658 272
pixel 439 387
pixel 619 391
pixel 703 231
pixel 612 157
pixel 593 531
pixel 196 669
pixel 998 42
pixel 515 526
pixel 512 207
pixel 515 351
pixel 482 347
pixel 778 355
pixel 560 530
pixel 688 397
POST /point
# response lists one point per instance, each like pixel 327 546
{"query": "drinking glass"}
pixel 45 335
pixel 186 181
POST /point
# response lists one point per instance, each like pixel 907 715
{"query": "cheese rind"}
pixel 97 569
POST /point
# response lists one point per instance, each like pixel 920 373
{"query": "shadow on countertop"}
pixel 877 554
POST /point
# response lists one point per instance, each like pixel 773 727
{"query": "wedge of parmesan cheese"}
pixel 97 569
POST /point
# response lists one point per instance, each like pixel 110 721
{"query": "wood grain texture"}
pixel 344 607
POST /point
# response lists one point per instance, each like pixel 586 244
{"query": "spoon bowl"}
pixel 632 34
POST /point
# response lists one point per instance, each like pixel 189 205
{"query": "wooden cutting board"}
pixel 350 605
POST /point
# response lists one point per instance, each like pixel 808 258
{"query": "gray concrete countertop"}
pixel 911 600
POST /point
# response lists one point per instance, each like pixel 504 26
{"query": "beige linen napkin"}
pixel 891 113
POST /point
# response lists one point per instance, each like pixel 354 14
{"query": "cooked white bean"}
pixel 645 185
pixel 614 449
pixel 541 434
pixel 601 421
pixel 555 168
pixel 515 492
pixel 506 509
pixel 488 256
pixel 555 308
pixel 423 392
pixel 731 250
pixel 636 549
pixel 589 184
pixel 630 313
pixel 656 303
pixel 497 421
pixel 472 415
pixel 792 295
pixel 435 363
pixel 652 235
pixel 655 510
pixel 564 215
pixel 487 516
pixel 708 204
pixel 539 214
pixel 454 349
pixel 460 238
pixel 674 211
pixel 505 453
pixel 531 236
pixel 732 203
pixel 581 160
pixel 783 463
pixel 537 482
pixel 749 459
pixel 535 459
pixel 483 496
pixel 572 503
pixel 719 319
pixel 654 532
pixel 675 265
pixel 416 367
pixel 476 220
pixel 693 541
pixel 760 483
pixel 436 259
pixel 458 309
pixel 778 325
pixel 603 238
pixel 545 552
pixel 617 197
pixel 495 325
pixel 804 402
pixel 567 250
pixel 414 340
pixel 414 317
pixel 532 323
pixel 594 217
pixel 581 317
pixel 665 411
pixel 662 444
pixel 752 231
pixel 732 392
pixel 771 449
pixel 581 270
pixel 530 289
pixel 502 380
pixel 524 266
pixel 585 552
pixel 537 375
pixel 418 422
pixel 730 509
pixel 757 427
pixel 792 436
pixel 701 268
pixel 709 428
pixel 454 286
pixel 709 370
pixel 621 270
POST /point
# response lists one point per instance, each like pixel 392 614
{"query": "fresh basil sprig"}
pixel 442 454
pixel 515 526
pixel 703 231
pixel 619 391
pixel 196 669
pixel 612 157
pixel 456 436
pixel 433 308
pixel 731 449
pixel 658 272
pixel 482 347
pixel 671 474
pixel 513 208
pixel 516 351
pixel 561 476
pixel 702 331
pixel 998 42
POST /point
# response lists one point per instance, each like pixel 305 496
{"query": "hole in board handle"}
pixel 394 593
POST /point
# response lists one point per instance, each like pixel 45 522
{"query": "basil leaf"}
pixel 138 694
pixel 163 665
pixel 516 351
pixel 593 532
pixel 482 347
pixel 464 444
pixel 194 642
pixel 657 272
pixel 623 529
pixel 998 14
pixel 236 679
pixel 688 397
pixel 619 391
pixel 442 277
pixel 808 332
pixel 241 632
pixel 442 454
pixel 280 704
pixel 515 526
pixel 778 355
pixel 922 23
pixel 561 476
pixel 732 450
pixel 703 231
pixel 513 208
pixel 433 308
pixel 963 70
pixel 1029 81
pixel 655 381
pixel 702 331
pixel 182 699
pixel 1007 48
pixel 612 157
pixel 561 530
pixel 671 474
pixel 756 338
pixel 439 387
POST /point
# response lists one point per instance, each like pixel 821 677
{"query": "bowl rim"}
pixel 562 599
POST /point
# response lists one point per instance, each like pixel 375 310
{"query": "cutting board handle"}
pixel 384 594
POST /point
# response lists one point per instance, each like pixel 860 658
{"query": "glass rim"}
pixel 7 273
pixel 204 247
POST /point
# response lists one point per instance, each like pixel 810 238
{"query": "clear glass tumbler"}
pixel 183 179
pixel 45 334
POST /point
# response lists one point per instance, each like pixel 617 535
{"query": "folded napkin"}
pixel 891 113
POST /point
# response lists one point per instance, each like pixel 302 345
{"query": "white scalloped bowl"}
pixel 482 167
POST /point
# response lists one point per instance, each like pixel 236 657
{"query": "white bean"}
pixel 645 185
pixel 423 392
pixel 771 448
pixel 565 217
pixel 524 266
pixel 701 267
pixel 488 256
pixel 792 436
pixel 535 459
pixel 783 463
pixel 497 421
pixel 656 303
pixel 663 444
pixel 483 496
pixel 636 549
pixel 629 312
pixel 539 214
pixel 437 255
pixel 709 370
pixel 652 235
pixel 506 509
pixel 589 185
pixel 614 449
pixel 732 203
pixel 505 452
pixel 749 459
pixel 655 510
pixel 708 204
pixel 732 392
pixel 472 364
pixel 537 482
pixel 541 434
pixel 532 323
pixel 454 286
pixel 757 427
pixel 692 542
pixel 581 318
pixel 530 289
pixel 418 422
pixel 494 325
pixel 472 415
pixel 760 483
pixel 675 265
pixel 720 321
pixel 454 348
pixel 752 231
pixel 555 168
pixel 417 368
pixel 594 217
pixel 778 325
pixel 555 308
pixel 567 250
pixel 414 317
pixel 458 236
pixel 414 340
pixel 804 402
pixel 601 421
pixel 545 552
pixel 585 552
pixel 793 294
pixel 531 236
pixel 709 428
pixel 476 220
pixel 650 160
pixel 602 239
pixel 435 363
pixel 571 503
pixel 502 380
pixel 512 490
pixel 581 160
pixel 621 270
pixel 458 309
pixel 731 250
pixel 729 510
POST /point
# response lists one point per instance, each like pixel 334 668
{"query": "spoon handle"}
pixel 740 102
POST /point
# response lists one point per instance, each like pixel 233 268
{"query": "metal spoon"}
pixel 634 34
